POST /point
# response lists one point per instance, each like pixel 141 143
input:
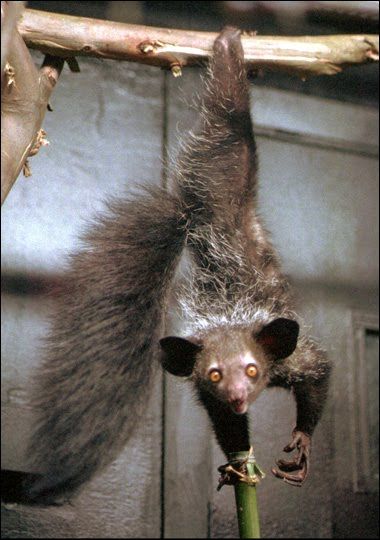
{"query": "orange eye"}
pixel 215 375
pixel 251 370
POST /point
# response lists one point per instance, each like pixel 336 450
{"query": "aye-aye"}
pixel 106 338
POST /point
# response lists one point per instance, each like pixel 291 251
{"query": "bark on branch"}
pixel 24 98
pixel 67 36
pixel 8 24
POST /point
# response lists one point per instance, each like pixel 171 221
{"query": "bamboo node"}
pixel 236 471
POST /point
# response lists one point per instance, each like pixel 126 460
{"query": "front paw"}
pixel 295 472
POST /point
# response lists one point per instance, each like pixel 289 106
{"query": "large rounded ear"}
pixel 178 355
pixel 279 338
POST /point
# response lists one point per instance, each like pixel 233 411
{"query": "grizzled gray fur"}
pixel 105 337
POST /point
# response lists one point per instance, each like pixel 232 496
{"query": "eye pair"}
pixel 215 375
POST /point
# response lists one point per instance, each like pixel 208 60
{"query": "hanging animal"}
pixel 107 335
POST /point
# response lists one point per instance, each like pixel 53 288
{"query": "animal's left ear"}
pixel 279 337
pixel 178 355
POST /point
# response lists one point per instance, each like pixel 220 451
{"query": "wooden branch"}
pixel 9 16
pixel 23 105
pixel 66 36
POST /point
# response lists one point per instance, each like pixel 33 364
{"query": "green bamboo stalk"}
pixel 245 494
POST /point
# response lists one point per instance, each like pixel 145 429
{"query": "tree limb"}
pixel 66 36
pixel 9 17
pixel 23 105
pixel 27 90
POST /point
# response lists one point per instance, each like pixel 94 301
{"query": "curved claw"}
pixel 293 479
pixel 299 466
pixel 296 479
pixel 288 465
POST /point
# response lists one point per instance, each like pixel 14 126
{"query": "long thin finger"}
pixel 289 479
pixel 306 466
pixel 296 484
pixel 302 457
pixel 299 477
pixel 296 478
pixel 288 465
pixel 291 446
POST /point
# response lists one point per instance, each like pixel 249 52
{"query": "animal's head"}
pixel 231 363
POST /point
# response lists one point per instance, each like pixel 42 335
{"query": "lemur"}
pixel 106 338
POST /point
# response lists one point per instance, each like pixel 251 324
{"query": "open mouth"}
pixel 239 406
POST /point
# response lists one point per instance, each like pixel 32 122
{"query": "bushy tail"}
pixel 103 344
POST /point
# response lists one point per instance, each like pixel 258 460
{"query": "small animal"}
pixel 106 338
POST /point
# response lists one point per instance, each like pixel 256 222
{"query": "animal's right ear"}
pixel 178 355
pixel 279 337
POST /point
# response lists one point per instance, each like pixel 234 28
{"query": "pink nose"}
pixel 237 392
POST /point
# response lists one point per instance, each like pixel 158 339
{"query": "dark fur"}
pixel 103 343
pixel 102 347
pixel 237 287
